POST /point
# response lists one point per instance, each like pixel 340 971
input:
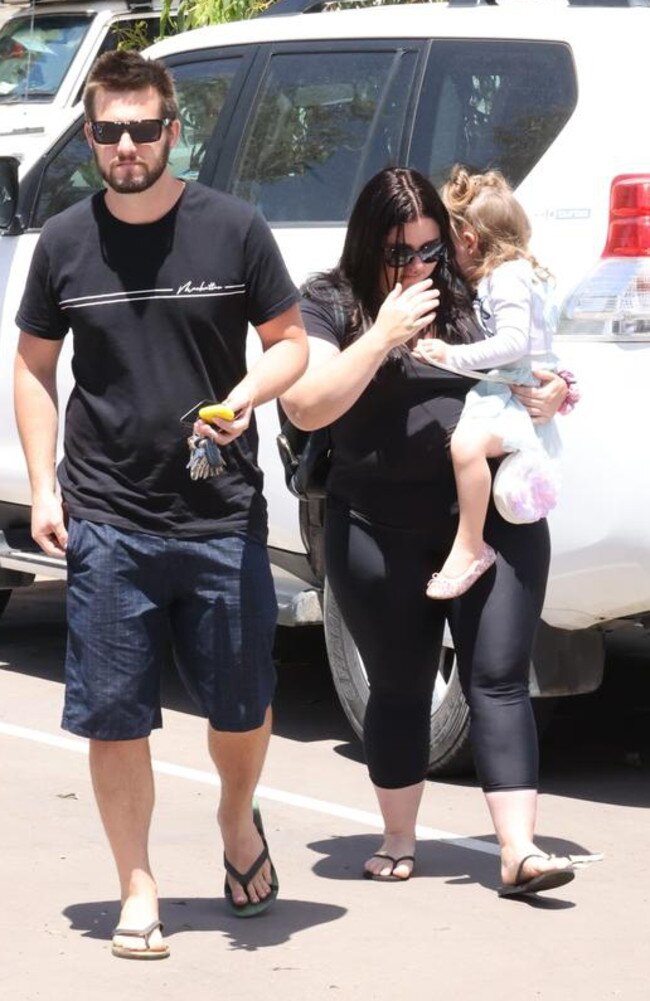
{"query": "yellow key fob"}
pixel 216 410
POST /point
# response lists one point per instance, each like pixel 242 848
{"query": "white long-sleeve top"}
pixel 512 305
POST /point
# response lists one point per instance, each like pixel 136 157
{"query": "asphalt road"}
pixel 445 933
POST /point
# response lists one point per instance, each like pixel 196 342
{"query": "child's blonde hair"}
pixel 486 204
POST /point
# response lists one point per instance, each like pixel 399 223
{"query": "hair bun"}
pixel 460 189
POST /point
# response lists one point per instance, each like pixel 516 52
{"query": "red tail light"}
pixel 628 234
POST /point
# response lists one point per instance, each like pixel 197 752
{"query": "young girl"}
pixel 491 233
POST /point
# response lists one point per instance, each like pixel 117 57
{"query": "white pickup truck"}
pixel 46 50
pixel 294 113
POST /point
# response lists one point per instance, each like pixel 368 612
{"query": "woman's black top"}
pixel 391 459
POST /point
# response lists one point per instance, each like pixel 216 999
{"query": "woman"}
pixel 392 514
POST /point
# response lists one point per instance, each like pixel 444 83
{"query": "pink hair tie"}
pixel 573 396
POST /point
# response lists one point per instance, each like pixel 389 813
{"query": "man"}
pixel 157 280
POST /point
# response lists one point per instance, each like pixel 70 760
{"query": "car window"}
pixel 135 32
pixel 35 54
pixel 323 123
pixel 202 88
pixel 68 177
pixel 143 30
pixel 489 103
pixel 70 174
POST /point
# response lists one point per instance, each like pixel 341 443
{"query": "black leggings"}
pixel 378 576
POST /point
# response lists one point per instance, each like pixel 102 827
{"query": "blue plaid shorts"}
pixel 133 597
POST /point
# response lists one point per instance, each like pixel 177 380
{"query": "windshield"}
pixel 35 54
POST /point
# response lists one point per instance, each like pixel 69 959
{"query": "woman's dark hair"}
pixel 391 199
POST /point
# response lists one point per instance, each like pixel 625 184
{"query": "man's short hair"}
pixel 127 71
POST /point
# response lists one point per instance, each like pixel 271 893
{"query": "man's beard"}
pixel 124 183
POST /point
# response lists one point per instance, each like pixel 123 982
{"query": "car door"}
pixel 313 122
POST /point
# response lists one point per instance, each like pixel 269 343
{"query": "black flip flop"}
pixel 549 880
pixel 390 877
pixel 252 908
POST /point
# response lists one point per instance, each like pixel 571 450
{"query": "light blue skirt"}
pixel 491 401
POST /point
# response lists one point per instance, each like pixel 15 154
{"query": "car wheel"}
pixel 450 753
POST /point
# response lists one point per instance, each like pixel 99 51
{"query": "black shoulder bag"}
pixel 305 456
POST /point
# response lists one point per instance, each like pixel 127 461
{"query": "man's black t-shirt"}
pixel 159 315
pixel 390 451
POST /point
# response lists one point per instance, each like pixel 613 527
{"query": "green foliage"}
pixel 199 13
pixel 133 37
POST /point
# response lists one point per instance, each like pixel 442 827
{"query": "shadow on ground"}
pixel 597 747
pixel 342 858
pixel 97 919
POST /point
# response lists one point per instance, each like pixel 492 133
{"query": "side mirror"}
pixel 8 192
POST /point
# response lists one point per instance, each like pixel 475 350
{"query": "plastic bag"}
pixel 526 486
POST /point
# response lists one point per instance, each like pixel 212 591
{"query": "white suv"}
pixel 294 114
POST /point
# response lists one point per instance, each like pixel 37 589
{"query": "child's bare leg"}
pixel 470 449
pixel 469 556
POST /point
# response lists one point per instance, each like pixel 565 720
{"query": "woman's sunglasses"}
pixel 399 255
pixel 147 130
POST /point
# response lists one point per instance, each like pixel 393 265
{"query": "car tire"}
pixel 5 595
pixel 450 753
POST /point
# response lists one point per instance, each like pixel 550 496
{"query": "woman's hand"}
pixel 431 350
pixel 405 312
pixel 542 402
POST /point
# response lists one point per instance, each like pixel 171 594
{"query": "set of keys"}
pixel 206 459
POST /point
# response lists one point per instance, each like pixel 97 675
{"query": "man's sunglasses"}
pixel 399 255
pixel 147 130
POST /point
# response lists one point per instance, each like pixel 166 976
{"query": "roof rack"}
pixel 293 7
pixel 609 3
pixel 24 6
pixel 316 6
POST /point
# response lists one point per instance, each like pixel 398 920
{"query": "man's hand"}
pixel 222 431
pixel 48 525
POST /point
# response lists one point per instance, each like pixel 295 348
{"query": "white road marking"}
pixel 363 817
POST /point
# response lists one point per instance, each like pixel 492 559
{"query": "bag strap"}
pixel 479 376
